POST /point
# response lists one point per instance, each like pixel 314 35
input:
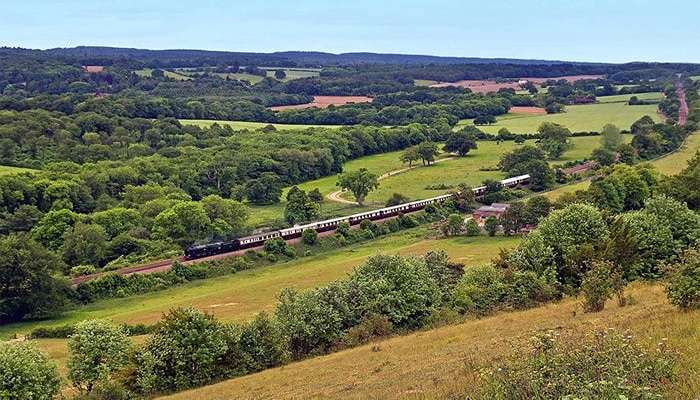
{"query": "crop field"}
pixel 447 362
pixel 424 82
pixel 578 118
pixel 204 123
pixel 325 101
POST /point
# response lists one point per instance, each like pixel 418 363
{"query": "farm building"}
pixel 495 209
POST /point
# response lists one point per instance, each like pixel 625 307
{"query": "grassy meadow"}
pixel 447 362
pixel 624 98
pixel 578 118
pixel 240 296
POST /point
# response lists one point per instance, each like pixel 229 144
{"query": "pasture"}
pixel 242 295
pixel 205 123
pixel 473 169
pixel 293 73
pixel 447 362
pixel 578 118
pixel 146 72
pixel 624 98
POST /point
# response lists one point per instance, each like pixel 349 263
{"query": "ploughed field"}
pixel 578 118
pixel 324 102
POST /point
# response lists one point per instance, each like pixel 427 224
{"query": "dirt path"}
pixel 335 196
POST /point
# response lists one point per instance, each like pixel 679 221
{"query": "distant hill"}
pixel 94 54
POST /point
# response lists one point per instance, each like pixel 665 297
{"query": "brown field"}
pixel 527 110
pixel 446 362
pixel 325 101
pixel 485 86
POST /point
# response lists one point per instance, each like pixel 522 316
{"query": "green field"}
pixel 7 170
pixel 205 123
pixel 424 82
pixel 146 72
pixel 293 73
pixel 624 98
pixel 464 169
pixel 240 296
pixel 578 118
pixel 240 76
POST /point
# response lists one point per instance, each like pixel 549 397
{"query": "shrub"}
pixel 683 284
pixel 597 286
pixel 605 365
pixel 472 228
pixel 309 236
pixel 275 246
pixel 486 289
pixel 491 225
pixel 309 324
pixel 399 288
pixel 97 350
pixel 343 229
pixel 182 352
pixel 407 221
pixel 26 373
pixel 371 327
pixel 82 270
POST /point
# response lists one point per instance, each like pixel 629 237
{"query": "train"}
pixel 247 242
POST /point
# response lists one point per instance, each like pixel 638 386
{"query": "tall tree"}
pixel 359 183
pixel 554 139
pixel 27 284
pixel 460 142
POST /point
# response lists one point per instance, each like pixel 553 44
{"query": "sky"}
pixel 573 30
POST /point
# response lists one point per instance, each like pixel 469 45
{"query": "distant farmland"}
pixel 578 118
pixel 325 101
pixel 485 86
pixel 205 123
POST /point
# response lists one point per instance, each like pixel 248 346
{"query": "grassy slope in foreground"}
pixel 240 296
pixel 577 118
pixel 446 362
pixel 205 123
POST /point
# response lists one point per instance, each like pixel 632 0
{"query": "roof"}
pixel 93 69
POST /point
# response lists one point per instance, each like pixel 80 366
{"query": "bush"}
pixel 605 365
pixel 343 229
pixel 597 286
pixel 97 350
pixel 82 270
pixel 486 289
pixel 491 225
pixel 472 228
pixel 683 283
pixel 182 352
pixel 275 246
pixel 309 236
pixel 26 373
pixel 371 327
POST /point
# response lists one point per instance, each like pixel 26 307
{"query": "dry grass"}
pixel 446 362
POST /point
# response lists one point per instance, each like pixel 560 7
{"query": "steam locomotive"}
pixel 247 242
